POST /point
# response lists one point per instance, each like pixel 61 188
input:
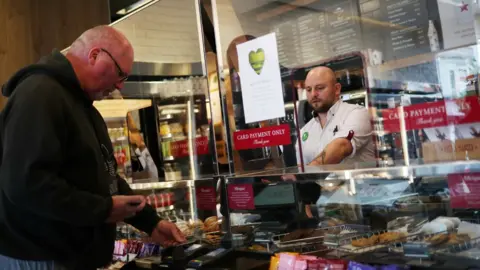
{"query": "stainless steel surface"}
pixel 277 239
pixel 347 172
pixel 154 184
pixel 161 89
pixel 167 69
pixel 162 185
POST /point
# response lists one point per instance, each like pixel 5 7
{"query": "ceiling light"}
pixel 133 7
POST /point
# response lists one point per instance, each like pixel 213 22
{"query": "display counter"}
pixel 234 145
pixel 414 217
pixel 424 216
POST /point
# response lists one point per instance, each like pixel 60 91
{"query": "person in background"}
pixel 339 132
pixel 60 195
pixel 146 166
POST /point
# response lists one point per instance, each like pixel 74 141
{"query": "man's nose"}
pixel 316 93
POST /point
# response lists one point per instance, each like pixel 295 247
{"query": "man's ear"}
pixel 338 89
pixel 92 55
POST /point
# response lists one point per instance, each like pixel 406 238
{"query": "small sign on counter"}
pixel 464 190
pixel 180 148
pixel 206 198
pixel 240 197
pixel 262 137
pixel 416 250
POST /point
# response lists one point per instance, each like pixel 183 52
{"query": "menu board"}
pixel 328 29
pixel 409 34
pixel 404 29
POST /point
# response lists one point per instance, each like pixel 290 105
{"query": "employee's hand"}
pixel 167 234
pixel 124 207
pixel 136 139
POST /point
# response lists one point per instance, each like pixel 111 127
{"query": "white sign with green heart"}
pixel 256 60
pixel 259 72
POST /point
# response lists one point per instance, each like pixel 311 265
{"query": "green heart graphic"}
pixel 256 60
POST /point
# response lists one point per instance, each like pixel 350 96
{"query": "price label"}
pixel 416 250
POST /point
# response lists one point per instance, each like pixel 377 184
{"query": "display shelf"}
pixel 162 185
pixel 121 139
pixel 369 171
pixel 169 158
pixel 166 208
pixel 165 117
pixel 406 62
pixel 172 137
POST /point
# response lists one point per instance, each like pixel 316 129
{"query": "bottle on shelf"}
pixel 169 172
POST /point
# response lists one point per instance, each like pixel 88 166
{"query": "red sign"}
pixel 240 197
pixel 433 114
pixel 464 190
pixel 180 148
pixel 262 137
pixel 206 198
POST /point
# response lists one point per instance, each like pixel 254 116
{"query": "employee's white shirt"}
pixel 342 117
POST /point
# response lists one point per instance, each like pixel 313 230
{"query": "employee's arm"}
pixel 34 139
pixel 343 147
pixel 334 153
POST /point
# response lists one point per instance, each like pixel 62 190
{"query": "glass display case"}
pixel 419 216
pixel 238 130
pixel 412 65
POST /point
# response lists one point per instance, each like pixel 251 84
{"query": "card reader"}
pixel 208 258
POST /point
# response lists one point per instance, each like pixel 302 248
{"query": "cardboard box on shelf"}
pixel 463 149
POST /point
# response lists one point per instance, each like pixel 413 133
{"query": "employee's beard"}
pixel 322 108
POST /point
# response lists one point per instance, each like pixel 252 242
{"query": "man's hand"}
pixel 167 234
pixel 124 207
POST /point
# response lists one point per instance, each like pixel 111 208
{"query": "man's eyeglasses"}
pixel 120 72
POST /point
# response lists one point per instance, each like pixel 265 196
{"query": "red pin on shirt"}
pixel 350 135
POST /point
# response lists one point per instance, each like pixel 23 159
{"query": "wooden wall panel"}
pixel 32 28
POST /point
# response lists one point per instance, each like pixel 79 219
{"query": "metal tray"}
pixel 345 246
pixel 328 231
pixel 461 250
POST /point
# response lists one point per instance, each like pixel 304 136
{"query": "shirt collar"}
pixel 332 111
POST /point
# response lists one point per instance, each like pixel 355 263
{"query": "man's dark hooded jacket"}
pixel 58 171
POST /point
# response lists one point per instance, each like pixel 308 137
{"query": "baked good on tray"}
pixel 390 237
pixel 211 224
pixel 444 240
pixel 366 241
pixel 455 238
pixel 437 239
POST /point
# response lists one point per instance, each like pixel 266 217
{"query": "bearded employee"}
pixel 60 196
pixel 339 132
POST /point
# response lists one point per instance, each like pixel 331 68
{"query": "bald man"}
pixel 60 195
pixel 339 132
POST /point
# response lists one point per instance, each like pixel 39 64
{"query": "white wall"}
pixel 165 32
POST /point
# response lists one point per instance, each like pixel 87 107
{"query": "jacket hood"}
pixel 55 65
